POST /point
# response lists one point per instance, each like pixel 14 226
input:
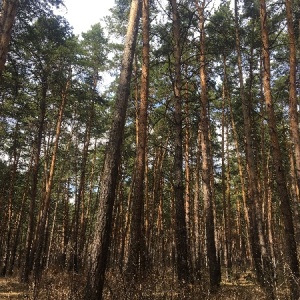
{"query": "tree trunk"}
pixel 263 264
pixel 284 195
pixel 38 244
pixel 188 198
pixel 79 215
pixel 197 234
pixel 294 119
pixel 28 264
pixel 7 20
pixel 137 247
pixel 242 176
pixel 103 223
pixel 9 216
pixel 207 163
pixel 226 176
pixel 183 271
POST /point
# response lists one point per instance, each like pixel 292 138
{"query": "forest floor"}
pixel 63 287
pixel 11 288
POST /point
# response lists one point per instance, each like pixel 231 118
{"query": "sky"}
pixel 81 14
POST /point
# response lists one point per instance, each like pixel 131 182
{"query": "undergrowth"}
pixel 56 285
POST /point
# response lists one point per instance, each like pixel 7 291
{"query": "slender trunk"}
pixel 244 195
pixel 285 201
pixel 28 264
pixel 147 206
pixel 9 207
pixel 226 175
pixel 196 215
pixel 103 223
pixel 65 226
pixel 88 213
pixel 126 232
pixel 79 233
pixel 295 196
pixel 293 103
pixel 51 237
pixel 7 20
pixel 187 195
pixel 18 227
pixel 41 226
pixel 137 249
pixel 263 264
pixel 180 224
pixel 154 236
pixel 207 164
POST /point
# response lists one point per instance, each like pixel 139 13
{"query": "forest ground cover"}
pixel 62 285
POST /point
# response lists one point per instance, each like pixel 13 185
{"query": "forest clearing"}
pixel 180 179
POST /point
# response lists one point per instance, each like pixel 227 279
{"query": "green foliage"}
pixel 221 32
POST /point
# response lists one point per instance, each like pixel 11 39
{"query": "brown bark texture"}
pixel 294 118
pixel 137 248
pixel 7 20
pixel 263 265
pixel 206 163
pixel 284 195
pixel 103 223
pixel 183 271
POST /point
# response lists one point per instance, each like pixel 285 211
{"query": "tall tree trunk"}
pixel 154 234
pixel 244 194
pixel 284 195
pixel 88 212
pixel 207 163
pixel 51 236
pixel 28 264
pixel 103 223
pixel 137 247
pixel 226 175
pixel 295 195
pixel 183 271
pixel 263 264
pixel 7 20
pixel 79 215
pixel 196 214
pixel 294 119
pixel 38 244
pixel 9 216
pixel 187 198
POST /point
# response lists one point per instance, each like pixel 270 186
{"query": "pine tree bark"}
pixel 28 264
pixel 243 187
pixel 284 195
pixel 293 103
pixel 137 247
pixel 9 216
pixel 207 164
pixel 294 119
pixel 226 176
pixel 196 261
pixel 260 251
pixel 103 223
pixel 183 271
pixel 38 245
pixel 7 20
pixel 79 214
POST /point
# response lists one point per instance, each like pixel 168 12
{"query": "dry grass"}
pixel 59 286
pixel 69 286
pixel 10 288
pixel 165 286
